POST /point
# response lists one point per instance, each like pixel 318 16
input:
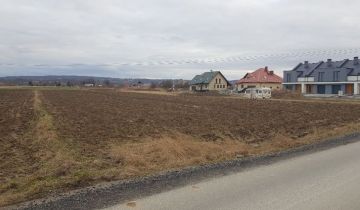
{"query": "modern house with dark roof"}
pixel 261 78
pixel 212 80
pixel 328 77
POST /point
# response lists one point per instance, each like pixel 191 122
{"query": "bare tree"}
pixel 107 83
pixel 153 85
pixel 166 84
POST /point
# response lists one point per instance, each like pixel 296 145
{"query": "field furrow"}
pixel 58 140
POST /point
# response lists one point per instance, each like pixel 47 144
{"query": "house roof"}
pixel 307 68
pixel 262 75
pixel 206 77
pixel 351 66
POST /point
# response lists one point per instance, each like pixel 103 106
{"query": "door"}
pixel 308 89
pixel 321 89
pixel 349 89
pixel 335 89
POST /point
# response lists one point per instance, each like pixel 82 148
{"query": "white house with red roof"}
pixel 258 79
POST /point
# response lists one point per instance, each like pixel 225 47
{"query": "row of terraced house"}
pixel 324 77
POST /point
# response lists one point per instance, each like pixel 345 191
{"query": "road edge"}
pixel 112 193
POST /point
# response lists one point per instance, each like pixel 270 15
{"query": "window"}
pixel 336 75
pixel 217 86
pixel 288 77
pixel 242 86
pixel 321 76
pixel 219 80
pixel 206 86
pixel 216 81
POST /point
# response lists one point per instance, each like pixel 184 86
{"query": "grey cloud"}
pixel 41 36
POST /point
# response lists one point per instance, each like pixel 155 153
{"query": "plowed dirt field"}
pixel 58 140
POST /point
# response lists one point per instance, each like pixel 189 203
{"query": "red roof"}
pixel 262 75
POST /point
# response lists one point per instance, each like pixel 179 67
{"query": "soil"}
pixel 286 94
pixel 58 140
pixel 16 116
pixel 104 115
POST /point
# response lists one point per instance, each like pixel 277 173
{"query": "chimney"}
pixel 329 62
pixel 271 72
pixel 356 60
pixel 306 64
pixel 266 68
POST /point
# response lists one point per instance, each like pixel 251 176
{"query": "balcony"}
pixel 353 78
pixel 306 79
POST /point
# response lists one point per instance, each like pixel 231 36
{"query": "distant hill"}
pixel 75 80
pixel 232 82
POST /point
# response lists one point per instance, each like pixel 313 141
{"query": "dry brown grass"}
pixel 151 155
pixel 157 91
pixel 281 142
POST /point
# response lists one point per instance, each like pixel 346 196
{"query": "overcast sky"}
pixel 172 39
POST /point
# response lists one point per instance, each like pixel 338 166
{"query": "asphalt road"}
pixel 327 179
